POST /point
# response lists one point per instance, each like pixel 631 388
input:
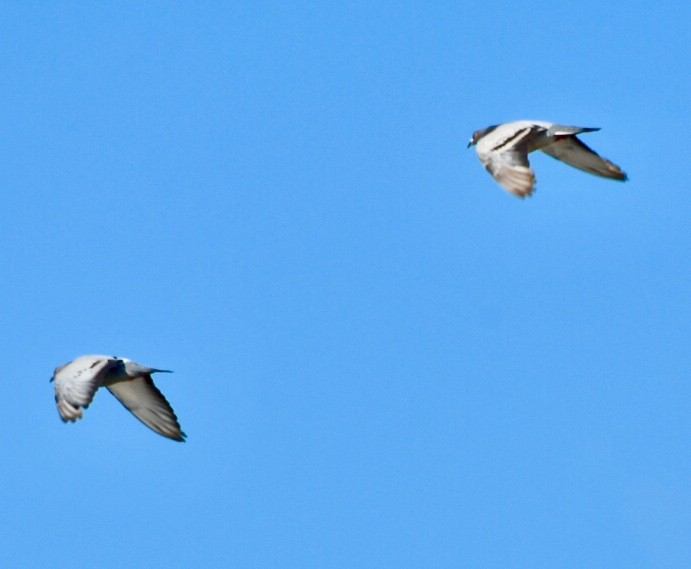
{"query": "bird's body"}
pixel 76 383
pixel 503 150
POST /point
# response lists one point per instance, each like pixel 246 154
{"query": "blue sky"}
pixel 381 359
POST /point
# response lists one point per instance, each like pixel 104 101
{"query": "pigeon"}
pixel 77 381
pixel 503 150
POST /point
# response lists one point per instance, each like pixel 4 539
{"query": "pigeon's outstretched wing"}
pixel 512 171
pixel 504 153
pixel 143 399
pixel 571 150
pixel 77 381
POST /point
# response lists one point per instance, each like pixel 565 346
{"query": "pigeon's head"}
pixel 478 134
pixel 57 371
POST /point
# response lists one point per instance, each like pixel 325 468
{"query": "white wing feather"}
pixel 77 382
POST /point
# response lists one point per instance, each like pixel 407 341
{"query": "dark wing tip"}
pixel 615 172
pixel 179 437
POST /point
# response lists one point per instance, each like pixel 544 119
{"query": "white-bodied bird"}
pixel 76 383
pixel 503 150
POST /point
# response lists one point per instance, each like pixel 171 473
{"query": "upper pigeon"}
pixel 76 383
pixel 503 150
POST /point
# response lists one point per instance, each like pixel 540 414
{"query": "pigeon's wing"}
pixel 77 382
pixel 571 150
pixel 143 399
pixel 511 169
pixel 504 153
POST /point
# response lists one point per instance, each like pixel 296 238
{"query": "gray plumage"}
pixel 76 383
pixel 503 150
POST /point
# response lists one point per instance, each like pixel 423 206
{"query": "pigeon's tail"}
pixel 134 369
pixel 561 130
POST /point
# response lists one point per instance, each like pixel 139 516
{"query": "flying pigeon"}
pixel 76 383
pixel 503 150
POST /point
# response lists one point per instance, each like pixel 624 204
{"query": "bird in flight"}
pixel 76 383
pixel 503 150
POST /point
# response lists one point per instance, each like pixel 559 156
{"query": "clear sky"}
pixel 381 358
